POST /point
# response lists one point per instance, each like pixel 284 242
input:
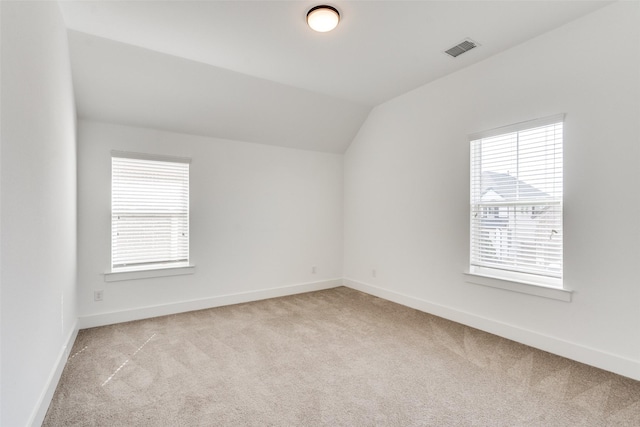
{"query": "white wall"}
pixel 407 179
pixel 38 208
pixel 261 217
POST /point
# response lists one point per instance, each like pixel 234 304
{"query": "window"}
pixel 149 212
pixel 516 202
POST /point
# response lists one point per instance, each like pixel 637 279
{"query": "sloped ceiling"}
pixel 253 71
pixel 125 84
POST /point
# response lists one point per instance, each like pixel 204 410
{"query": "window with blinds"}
pixel 149 212
pixel 516 202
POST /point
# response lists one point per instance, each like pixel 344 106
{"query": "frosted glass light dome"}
pixel 323 18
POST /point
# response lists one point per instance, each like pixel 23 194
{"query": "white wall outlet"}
pixel 98 295
pixel 313 269
pixel 373 273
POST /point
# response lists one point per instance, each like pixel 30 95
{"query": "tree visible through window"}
pixel 516 201
pixel 149 212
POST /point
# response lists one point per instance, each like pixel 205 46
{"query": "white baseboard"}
pixel 103 319
pixel 39 412
pixel 590 356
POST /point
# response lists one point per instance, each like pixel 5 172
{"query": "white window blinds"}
pixel 149 212
pixel 516 201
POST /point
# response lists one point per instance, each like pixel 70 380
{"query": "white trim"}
pixel 40 411
pixel 517 285
pixel 103 319
pixel 117 276
pixel 147 156
pixel 591 356
pixel 529 124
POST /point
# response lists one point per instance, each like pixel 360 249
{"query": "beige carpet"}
pixel 330 358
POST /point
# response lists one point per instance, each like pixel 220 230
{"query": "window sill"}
pixel 117 276
pixel 559 294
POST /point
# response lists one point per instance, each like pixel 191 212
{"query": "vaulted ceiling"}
pixel 253 70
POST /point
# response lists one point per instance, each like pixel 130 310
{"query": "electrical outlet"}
pixel 373 273
pixel 98 295
pixel 313 269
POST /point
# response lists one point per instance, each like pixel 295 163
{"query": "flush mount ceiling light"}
pixel 323 18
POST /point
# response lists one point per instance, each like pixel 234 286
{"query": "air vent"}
pixel 461 48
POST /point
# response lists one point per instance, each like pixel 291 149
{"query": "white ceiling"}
pixel 253 70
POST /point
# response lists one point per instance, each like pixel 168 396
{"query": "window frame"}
pixel 152 269
pixel 521 281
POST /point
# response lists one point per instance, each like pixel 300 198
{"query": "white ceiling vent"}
pixel 461 48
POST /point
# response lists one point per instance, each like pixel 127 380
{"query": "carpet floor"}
pixel 330 358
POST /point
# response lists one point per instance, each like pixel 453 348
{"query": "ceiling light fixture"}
pixel 323 18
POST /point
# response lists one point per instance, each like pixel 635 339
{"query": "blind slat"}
pixel 516 198
pixel 150 212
